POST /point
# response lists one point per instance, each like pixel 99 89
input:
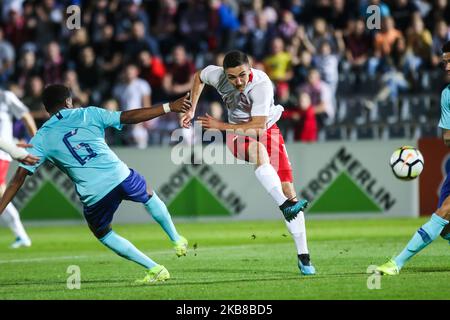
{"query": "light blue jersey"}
pixel 445 108
pixel 73 140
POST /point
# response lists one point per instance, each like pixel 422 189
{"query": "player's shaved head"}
pixel 55 97
pixel 235 58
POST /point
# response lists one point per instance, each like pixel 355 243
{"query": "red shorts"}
pixel 274 143
pixel 4 166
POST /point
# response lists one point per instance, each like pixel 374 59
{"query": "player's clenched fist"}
pixel 181 105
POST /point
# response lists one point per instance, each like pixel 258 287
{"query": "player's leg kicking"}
pixel 437 225
pixel 270 153
pixel 99 217
pixel 11 215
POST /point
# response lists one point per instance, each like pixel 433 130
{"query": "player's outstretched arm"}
pixel 144 114
pixel 18 152
pixel 12 188
pixel 196 91
pixel 253 128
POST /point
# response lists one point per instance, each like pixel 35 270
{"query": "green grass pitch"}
pixel 232 260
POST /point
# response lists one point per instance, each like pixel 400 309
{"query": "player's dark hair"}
pixel 234 58
pixel 446 47
pixel 54 97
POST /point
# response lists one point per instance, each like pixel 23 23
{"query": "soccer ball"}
pixel 407 163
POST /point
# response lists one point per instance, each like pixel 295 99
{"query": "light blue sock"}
pixel 423 237
pixel 159 212
pixel 126 249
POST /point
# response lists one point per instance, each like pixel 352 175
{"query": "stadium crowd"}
pixel 331 70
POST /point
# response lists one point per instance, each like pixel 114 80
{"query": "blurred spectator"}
pixel 129 12
pixel 78 40
pixel 7 57
pixel 440 11
pixel 301 68
pixel 229 24
pixel 177 81
pixel 341 13
pixel 321 33
pixel 71 81
pixel 278 64
pixel 327 63
pixel 33 100
pixel 419 42
pixel 180 74
pixel 153 70
pixel 109 53
pixel 393 80
pixel 139 41
pixel 26 68
pixel 401 11
pixel 112 136
pixel 47 29
pixel 288 26
pixel 383 44
pixel 283 96
pixel 14 24
pixel 133 93
pixel 321 97
pixel 54 64
pixel 358 44
pixel 165 25
pixel 258 41
pixel 303 118
pixel 89 75
pixel 441 36
pixel 193 26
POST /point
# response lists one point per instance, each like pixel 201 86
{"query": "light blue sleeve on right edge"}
pixel 444 122
pixel 105 118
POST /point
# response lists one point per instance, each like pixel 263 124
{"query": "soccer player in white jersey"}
pixel 252 135
pixel 439 221
pixel 11 106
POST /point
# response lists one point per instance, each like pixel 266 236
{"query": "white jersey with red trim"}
pixel 255 100
pixel 10 106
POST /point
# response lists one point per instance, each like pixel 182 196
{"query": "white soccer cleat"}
pixel 21 242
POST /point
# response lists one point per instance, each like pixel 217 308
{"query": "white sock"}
pixel 12 219
pixel 269 179
pixel 298 232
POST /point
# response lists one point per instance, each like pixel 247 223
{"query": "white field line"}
pixel 95 255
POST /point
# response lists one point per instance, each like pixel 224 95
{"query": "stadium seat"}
pixel 428 130
pixel 396 131
pixel 415 108
pixel 333 133
pixel 355 112
pixel 366 132
pixel 386 112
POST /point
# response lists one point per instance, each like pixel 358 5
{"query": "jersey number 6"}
pixel 73 151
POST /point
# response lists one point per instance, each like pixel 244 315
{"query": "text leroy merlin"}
pixel 343 163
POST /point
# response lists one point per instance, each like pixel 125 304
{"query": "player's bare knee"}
pixel 444 211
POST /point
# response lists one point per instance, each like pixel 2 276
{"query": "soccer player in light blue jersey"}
pixel 73 140
pixel 439 222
